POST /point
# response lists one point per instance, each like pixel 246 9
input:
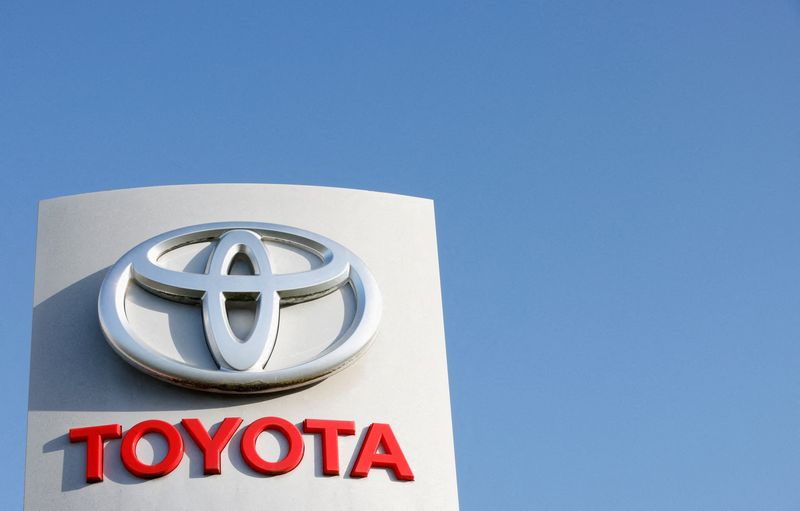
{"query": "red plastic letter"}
pixel 391 458
pixel 288 430
pixel 330 440
pixel 171 460
pixel 212 446
pixel 94 436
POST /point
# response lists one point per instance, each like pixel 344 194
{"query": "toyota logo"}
pixel 243 364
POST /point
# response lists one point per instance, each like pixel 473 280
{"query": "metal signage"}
pixel 200 358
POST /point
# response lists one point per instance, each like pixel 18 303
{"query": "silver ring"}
pixel 241 362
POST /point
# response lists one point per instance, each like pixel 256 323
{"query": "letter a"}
pixel 381 435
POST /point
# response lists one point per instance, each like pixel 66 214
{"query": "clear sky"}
pixel 617 189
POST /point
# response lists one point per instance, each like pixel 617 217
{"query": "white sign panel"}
pixel 238 347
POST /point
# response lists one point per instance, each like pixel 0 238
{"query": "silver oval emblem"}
pixel 242 363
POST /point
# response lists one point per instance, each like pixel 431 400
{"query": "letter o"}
pixel 162 468
pixel 288 430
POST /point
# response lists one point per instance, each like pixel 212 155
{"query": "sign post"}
pixel 241 347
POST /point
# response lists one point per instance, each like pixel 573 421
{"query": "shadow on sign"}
pixel 74 369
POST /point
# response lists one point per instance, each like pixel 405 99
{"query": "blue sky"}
pixel 617 188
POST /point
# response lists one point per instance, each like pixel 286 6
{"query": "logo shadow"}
pixel 99 379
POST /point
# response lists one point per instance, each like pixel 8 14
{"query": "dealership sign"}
pixel 211 346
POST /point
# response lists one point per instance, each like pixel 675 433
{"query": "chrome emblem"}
pixel 242 363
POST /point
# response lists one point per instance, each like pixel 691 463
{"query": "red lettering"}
pixel 330 431
pixel 162 468
pixel 95 437
pixel 381 435
pixel 212 446
pixel 379 449
pixel 284 427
